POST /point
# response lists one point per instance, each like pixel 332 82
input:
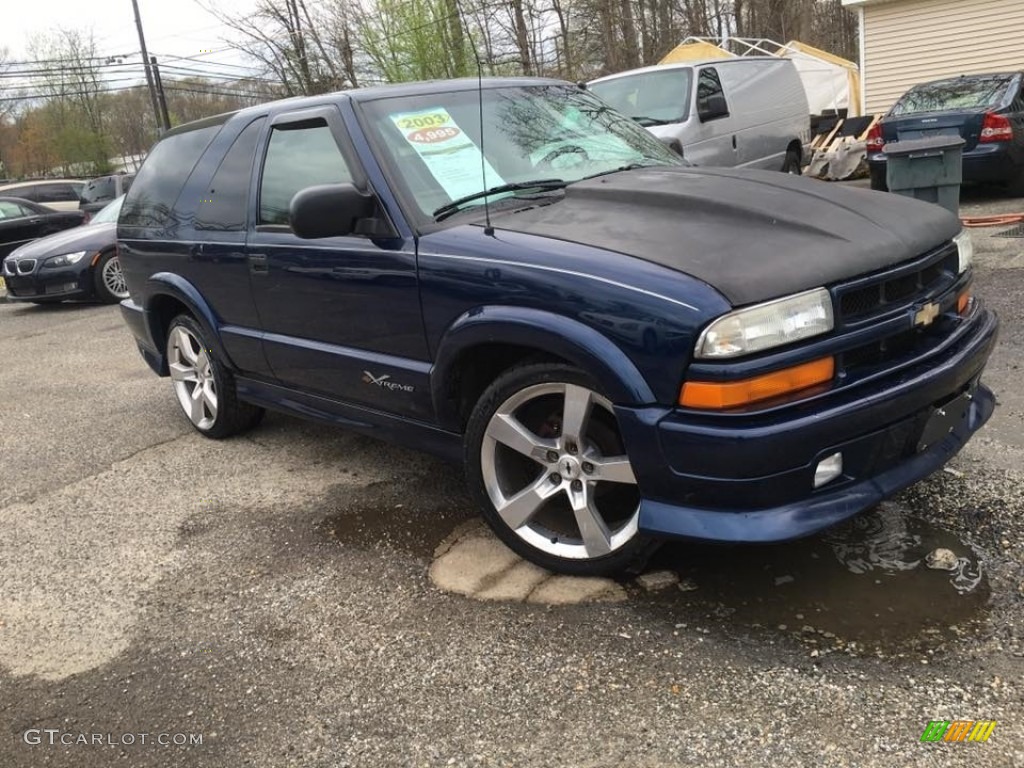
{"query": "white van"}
pixel 746 112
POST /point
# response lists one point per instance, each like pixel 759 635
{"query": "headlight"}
pixel 965 247
pixel 65 260
pixel 768 325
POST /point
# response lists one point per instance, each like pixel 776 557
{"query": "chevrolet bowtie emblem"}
pixel 926 315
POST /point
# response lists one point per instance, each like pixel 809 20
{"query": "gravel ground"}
pixel 270 594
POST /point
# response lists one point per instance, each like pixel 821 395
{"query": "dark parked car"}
pixel 58 194
pixel 986 110
pixel 101 191
pixel 77 263
pixel 22 221
pixel 814 349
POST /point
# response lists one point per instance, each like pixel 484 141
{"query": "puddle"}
pixel 864 583
pixel 411 514
pixel 862 587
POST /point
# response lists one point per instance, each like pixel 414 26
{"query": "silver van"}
pixel 746 112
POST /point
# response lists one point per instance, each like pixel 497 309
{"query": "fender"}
pixel 177 287
pixel 580 344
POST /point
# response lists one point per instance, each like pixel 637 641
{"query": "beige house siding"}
pixel 913 41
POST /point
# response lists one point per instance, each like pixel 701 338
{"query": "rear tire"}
pixel 792 164
pixel 878 180
pixel 204 386
pixel 1016 187
pixel 546 463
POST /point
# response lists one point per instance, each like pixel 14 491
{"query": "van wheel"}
pixel 546 462
pixel 792 164
pixel 878 180
pixel 204 386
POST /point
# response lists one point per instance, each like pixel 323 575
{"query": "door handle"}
pixel 734 142
pixel 258 264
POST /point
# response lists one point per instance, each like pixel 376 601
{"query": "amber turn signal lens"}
pixel 963 303
pixel 718 395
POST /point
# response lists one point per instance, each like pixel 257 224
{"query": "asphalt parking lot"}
pixel 270 595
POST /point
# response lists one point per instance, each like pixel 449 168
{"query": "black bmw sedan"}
pixel 22 221
pixel 78 263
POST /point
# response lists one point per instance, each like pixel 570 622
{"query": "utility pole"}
pixel 146 65
pixel 160 94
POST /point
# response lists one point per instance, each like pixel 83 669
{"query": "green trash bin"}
pixel 929 169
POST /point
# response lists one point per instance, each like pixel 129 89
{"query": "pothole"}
pixel 474 562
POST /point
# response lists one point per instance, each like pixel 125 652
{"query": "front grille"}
pixel 898 287
pixel 889 349
pixel 26 266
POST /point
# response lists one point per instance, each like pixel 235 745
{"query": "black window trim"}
pixel 325 114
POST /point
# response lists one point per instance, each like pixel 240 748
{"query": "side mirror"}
pixel 329 210
pixel 672 143
pixel 712 108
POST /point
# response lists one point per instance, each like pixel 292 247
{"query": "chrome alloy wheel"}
pixel 556 472
pixel 192 375
pixel 113 278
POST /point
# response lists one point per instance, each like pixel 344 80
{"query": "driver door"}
pixel 341 315
pixel 715 143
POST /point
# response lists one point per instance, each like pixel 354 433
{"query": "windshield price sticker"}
pixel 449 154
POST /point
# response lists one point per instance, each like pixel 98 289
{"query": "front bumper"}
pixel 50 284
pixel 751 479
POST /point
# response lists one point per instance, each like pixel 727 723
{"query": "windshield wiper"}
pixel 449 208
pixel 645 120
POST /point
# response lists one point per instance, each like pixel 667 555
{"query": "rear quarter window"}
pixel 150 201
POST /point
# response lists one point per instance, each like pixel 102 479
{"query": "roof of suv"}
pixel 369 94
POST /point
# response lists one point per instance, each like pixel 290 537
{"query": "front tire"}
pixel 546 463
pixel 111 287
pixel 205 388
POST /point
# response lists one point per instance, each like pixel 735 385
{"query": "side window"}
pixel 223 207
pixel 30 192
pixel 298 157
pixel 9 210
pixel 56 193
pixel 150 202
pixel 710 96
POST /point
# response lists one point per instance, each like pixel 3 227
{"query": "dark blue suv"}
pixel 512 275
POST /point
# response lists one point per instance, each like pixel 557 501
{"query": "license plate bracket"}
pixel 943 420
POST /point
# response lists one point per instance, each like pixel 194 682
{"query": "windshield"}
pixel 109 213
pixel 652 98
pixel 961 93
pixel 431 143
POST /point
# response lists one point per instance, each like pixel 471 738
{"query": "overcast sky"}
pixel 172 27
